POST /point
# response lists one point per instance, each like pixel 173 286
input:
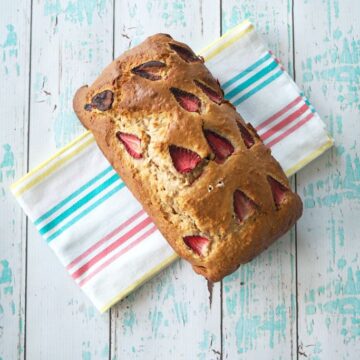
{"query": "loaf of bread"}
pixel 204 176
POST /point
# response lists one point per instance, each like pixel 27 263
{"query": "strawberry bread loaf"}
pixel 204 176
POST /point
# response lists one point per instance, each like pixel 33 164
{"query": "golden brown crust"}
pixel 139 88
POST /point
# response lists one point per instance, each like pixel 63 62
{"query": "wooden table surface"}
pixel 298 300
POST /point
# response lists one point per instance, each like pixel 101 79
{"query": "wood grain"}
pixel 328 68
pixel 14 70
pixel 259 300
pixel 71 41
pixel 174 316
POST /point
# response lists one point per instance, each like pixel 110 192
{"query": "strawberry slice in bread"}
pixel 278 191
pixel 183 159
pixel 198 244
pixel 188 101
pixel 221 147
pixel 244 207
pixel 132 144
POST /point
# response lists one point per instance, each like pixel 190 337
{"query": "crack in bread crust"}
pixel 200 200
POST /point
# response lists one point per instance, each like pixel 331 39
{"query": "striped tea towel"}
pixel 90 219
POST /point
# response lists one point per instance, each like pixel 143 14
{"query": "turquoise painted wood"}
pixel 259 300
pixel 328 68
pixel 71 41
pixel 298 300
pixel 14 70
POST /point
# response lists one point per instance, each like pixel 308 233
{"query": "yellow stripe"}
pixel 309 158
pixel 51 169
pixel 56 155
pixel 230 32
pixel 220 45
pixel 140 281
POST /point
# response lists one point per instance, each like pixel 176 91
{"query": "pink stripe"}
pixel 284 122
pixel 111 248
pixel 104 239
pixel 279 63
pixel 277 60
pixel 290 130
pixel 116 256
pixel 279 113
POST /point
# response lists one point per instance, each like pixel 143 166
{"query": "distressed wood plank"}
pixel 328 68
pixel 14 78
pixel 259 300
pixel 72 41
pixel 170 317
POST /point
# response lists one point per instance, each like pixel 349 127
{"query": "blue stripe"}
pixel 246 71
pixel 273 65
pixel 85 212
pixel 307 102
pixel 72 196
pixel 50 225
pixel 258 88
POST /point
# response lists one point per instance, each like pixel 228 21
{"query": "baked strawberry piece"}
pixel 132 144
pixel 221 147
pixel 186 100
pixel 183 159
pixel 198 244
